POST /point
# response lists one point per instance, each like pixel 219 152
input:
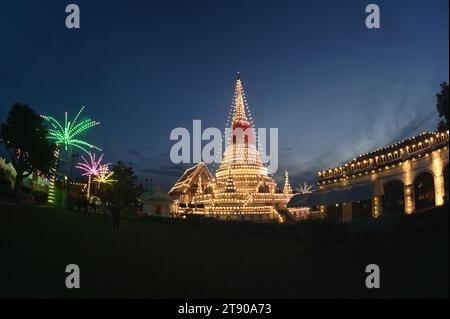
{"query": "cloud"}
pixel 134 152
pixel 165 170
pixel 302 177
pixel 137 154
pixel 130 163
pixel 158 171
pixel 174 167
pixel 164 155
pixel 412 127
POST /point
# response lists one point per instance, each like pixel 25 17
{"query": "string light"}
pixel 287 189
pixel 394 153
pixel 66 134
pixel 51 198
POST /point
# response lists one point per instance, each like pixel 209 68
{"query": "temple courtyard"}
pixel 195 258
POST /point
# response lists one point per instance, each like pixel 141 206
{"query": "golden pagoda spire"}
pixel 239 114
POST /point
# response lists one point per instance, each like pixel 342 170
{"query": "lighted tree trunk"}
pixel 89 186
pixel 68 164
pixel 19 182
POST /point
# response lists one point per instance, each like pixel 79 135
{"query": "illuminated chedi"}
pixel 242 188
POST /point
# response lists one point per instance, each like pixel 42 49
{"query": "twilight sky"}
pixel 334 88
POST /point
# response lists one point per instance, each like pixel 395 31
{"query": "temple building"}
pixel 242 188
pixel 155 202
pixel 403 178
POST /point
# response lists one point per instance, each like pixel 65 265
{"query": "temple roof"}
pixel 189 176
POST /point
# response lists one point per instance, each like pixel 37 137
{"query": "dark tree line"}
pixel 125 190
pixel 443 106
pixel 25 138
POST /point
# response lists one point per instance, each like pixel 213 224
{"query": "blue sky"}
pixel 334 88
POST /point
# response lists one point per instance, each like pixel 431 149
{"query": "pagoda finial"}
pixel 239 103
pixel 287 189
pixel 238 75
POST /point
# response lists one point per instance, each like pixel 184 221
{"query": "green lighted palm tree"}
pixel 67 134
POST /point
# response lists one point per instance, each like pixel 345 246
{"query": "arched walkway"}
pixel 394 198
pixel 424 194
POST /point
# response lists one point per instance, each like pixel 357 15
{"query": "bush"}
pixel 5 185
pixel 40 197
pixel 6 193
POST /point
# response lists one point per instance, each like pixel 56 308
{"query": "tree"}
pixel 125 190
pixel 443 106
pixel 25 138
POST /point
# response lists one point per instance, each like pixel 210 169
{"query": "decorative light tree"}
pixel 91 168
pixel 305 188
pixel 66 135
pixel 104 176
pixel 51 187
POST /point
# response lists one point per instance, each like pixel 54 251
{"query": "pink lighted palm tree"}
pixel 91 167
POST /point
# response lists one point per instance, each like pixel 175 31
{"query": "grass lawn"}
pixel 154 259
